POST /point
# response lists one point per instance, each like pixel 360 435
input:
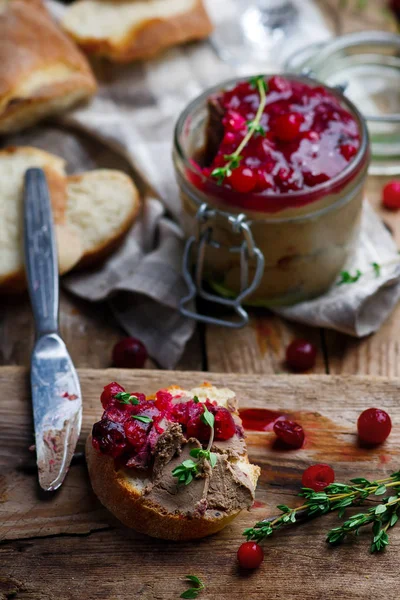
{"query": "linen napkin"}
pixel 131 120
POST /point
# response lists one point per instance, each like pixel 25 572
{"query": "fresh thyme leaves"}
pixel 188 469
pixel 339 496
pixel 377 268
pixel 253 127
pixel 125 398
pixel 199 453
pixel 193 592
pixel 207 417
pixel 142 418
pixel 382 517
pixel 346 277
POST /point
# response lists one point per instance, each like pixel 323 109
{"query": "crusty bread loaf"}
pixel 92 212
pixel 42 72
pixel 127 30
pixel 122 491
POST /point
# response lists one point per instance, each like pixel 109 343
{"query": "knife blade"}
pixel 56 393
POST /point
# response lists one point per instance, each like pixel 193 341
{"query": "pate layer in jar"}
pixel 305 231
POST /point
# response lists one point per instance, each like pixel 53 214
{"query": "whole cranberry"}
pixel 109 438
pixel 110 391
pixel 391 195
pixel 243 179
pixel 129 353
pixel 287 127
pixel 250 555
pixel 290 433
pixel 224 426
pixel 374 426
pixel 318 477
pixel 301 355
pixel 136 433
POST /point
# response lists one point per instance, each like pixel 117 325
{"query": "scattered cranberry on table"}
pixel 290 433
pixel 250 555
pixel 391 195
pixel 301 355
pixel 318 477
pixel 374 426
pixel 129 353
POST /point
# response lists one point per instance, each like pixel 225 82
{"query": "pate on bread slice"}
pixel 141 482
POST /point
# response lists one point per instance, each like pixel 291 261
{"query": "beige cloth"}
pixel 130 125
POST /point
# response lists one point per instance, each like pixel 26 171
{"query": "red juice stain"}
pixel 384 459
pixel 259 419
pixel 258 504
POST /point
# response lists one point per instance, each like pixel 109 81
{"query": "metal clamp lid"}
pixel 247 250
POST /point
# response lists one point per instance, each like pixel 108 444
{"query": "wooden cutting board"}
pixel 67 546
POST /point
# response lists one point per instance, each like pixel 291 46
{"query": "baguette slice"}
pixel 127 30
pixel 92 212
pixel 123 491
pixel 101 207
pixel 42 72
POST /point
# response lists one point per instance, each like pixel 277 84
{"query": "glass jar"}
pixel 266 250
pixel 366 65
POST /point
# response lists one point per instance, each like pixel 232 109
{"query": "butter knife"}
pixel 56 393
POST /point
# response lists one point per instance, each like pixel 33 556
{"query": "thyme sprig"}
pixel 193 592
pixel 188 469
pixel 339 496
pixel 254 126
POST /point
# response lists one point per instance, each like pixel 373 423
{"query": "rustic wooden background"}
pixel 64 546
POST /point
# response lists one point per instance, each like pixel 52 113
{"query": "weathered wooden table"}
pixel 259 348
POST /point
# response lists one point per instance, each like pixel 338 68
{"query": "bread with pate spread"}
pixel 127 30
pixel 92 212
pixel 42 72
pixel 160 468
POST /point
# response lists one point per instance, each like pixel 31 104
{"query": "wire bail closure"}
pixel 205 218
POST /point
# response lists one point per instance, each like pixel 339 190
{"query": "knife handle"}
pixel 40 253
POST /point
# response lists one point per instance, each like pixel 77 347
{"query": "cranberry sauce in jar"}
pixel 290 154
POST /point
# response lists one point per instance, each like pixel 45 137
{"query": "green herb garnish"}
pixel 125 398
pixel 193 592
pixel 346 277
pixel 377 268
pixel 339 496
pixel 142 418
pixel 188 469
pixel 253 127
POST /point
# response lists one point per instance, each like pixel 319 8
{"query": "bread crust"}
pixel 41 70
pixel 124 501
pixel 151 37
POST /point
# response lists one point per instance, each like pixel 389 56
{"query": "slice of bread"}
pixel 123 491
pixel 127 30
pixel 92 212
pixel 101 207
pixel 42 72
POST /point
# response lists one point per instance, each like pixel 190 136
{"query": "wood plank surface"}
pixel 66 545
